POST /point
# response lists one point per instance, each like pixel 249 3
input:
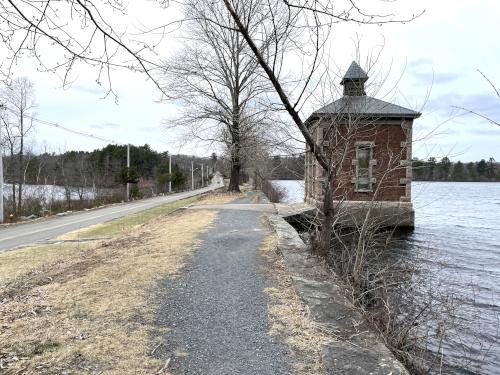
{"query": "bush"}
pixel 274 193
pixel 135 192
pixel 400 295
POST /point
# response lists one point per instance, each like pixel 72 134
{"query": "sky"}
pixel 430 64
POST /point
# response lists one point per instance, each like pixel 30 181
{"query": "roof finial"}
pixel 354 81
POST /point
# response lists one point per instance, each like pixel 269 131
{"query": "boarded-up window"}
pixel 363 167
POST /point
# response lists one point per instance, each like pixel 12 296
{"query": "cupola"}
pixel 354 81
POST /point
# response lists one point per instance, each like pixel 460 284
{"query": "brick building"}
pixel 368 141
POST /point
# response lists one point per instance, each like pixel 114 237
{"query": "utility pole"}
pixel 128 171
pixel 170 172
pixel 201 174
pixel 192 175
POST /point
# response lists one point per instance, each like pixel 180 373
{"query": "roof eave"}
pixel 364 116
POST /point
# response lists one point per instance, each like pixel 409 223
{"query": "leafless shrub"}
pixel 273 192
pixel 406 299
pixel 43 200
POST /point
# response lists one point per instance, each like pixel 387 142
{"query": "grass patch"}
pixel 14 264
pixel 41 347
pixel 90 308
pixel 124 224
pixel 289 316
pixel 220 198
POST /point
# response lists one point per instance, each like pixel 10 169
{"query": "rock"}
pixel 24 218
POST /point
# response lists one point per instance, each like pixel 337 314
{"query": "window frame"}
pixel 370 146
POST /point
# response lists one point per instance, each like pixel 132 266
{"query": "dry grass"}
pixel 92 309
pixel 289 316
pixel 219 198
pixel 126 223
pixel 13 264
pixel 246 187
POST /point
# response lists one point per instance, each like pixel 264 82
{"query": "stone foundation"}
pixel 386 214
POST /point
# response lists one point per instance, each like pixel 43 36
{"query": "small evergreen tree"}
pixel 458 173
pixel 491 168
pixel 472 171
pixel 127 175
pixel 482 168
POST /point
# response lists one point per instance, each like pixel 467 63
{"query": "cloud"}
pixel 148 128
pixel 106 125
pixel 491 131
pixel 89 90
pixel 423 70
pixel 418 63
pixel 486 104
pixel 450 104
pixel 435 77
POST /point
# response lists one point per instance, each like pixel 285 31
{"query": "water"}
pixel 294 189
pixel 458 225
pixel 457 236
pixel 49 192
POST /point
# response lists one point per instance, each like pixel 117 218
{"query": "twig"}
pixel 156 347
pixel 167 362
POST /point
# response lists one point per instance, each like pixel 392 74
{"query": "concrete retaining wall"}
pixel 354 349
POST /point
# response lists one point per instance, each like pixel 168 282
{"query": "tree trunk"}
pixel 325 235
pixel 40 166
pixel 14 172
pixel 67 192
pixel 20 166
pixel 234 181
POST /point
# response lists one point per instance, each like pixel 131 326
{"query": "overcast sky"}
pixel 433 62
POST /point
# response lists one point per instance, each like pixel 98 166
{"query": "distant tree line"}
pixel 104 173
pixel 446 170
pixel 105 168
pixel 431 169
pixel 286 167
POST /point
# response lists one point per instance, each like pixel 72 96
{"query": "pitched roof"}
pixel 365 106
pixel 354 72
pixel 355 102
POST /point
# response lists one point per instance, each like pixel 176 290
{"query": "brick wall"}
pixel 391 172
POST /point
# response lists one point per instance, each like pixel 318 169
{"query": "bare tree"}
pixel 315 20
pixel 299 26
pixel 79 32
pixel 216 79
pixel 19 99
pixel 11 141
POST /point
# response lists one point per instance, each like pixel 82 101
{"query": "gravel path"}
pixel 216 309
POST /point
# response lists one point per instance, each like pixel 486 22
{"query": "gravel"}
pixel 216 310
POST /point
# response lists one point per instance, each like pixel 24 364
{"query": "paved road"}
pixel 29 233
pixel 216 309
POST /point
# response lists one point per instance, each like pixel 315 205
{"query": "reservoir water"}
pixel 457 236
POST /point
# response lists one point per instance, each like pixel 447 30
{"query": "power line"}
pixel 78 132
pixel 65 128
